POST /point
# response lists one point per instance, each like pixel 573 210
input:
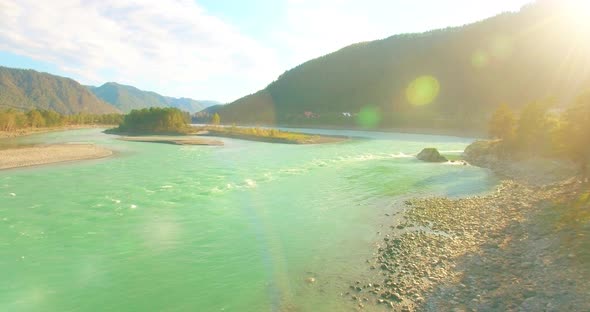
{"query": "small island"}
pixel 154 121
pixel 267 135
pixel 172 126
pixel 159 125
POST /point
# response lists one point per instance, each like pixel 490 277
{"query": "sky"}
pixel 208 49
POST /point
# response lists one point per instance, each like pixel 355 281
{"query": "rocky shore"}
pixel 523 247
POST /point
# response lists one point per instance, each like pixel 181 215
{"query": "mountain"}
pixel 448 78
pixel 127 98
pixel 27 89
pixel 209 103
pixel 190 105
pixel 212 109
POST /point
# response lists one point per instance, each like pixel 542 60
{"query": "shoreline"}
pixel 314 139
pixel 467 134
pixel 32 131
pixel 50 154
pixel 267 135
pixel 441 254
pixel 192 137
pixel 174 140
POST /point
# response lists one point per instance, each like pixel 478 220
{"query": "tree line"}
pixel 539 131
pixel 13 120
pixel 206 117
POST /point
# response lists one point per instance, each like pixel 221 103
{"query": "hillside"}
pixel 190 105
pixel 27 89
pixel 127 98
pixel 466 72
pixel 206 114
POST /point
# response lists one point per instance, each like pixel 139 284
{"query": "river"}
pixel 201 228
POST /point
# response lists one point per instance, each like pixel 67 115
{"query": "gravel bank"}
pixel 30 131
pixel 49 154
pixel 500 252
pixel 175 140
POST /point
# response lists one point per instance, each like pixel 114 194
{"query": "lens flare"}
pixel 480 59
pixel 422 91
pixel 369 117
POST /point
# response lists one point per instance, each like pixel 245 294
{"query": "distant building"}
pixel 308 114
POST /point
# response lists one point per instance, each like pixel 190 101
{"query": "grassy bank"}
pixel 174 140
pixel 267 135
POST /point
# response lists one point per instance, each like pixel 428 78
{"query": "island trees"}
pixel 156 120
pixel 216 119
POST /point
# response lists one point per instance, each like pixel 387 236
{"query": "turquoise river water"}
pixel 197 228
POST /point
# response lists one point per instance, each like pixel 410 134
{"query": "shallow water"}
pixel 200 228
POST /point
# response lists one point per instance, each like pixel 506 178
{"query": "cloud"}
pixel 177 48
pixel 164 42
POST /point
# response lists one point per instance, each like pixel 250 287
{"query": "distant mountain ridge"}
pixel 542 51
pixel 127 98
pixel 25 89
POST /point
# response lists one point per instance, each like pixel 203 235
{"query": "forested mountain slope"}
pixel 127 98
pixel 448 78
pixel 27 89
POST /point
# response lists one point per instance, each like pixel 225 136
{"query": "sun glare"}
pixel 423 90
pixel 579 11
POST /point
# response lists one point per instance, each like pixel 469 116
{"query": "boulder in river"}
pixel 431 155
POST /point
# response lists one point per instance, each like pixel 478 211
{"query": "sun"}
pixel 579 12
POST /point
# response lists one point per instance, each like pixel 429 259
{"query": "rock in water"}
pixel 431 155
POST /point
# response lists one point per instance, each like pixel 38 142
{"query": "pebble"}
pixel 414 261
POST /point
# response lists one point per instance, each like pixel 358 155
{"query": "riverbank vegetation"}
pixel 441 253
pixel 12 120
pixel 539 132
